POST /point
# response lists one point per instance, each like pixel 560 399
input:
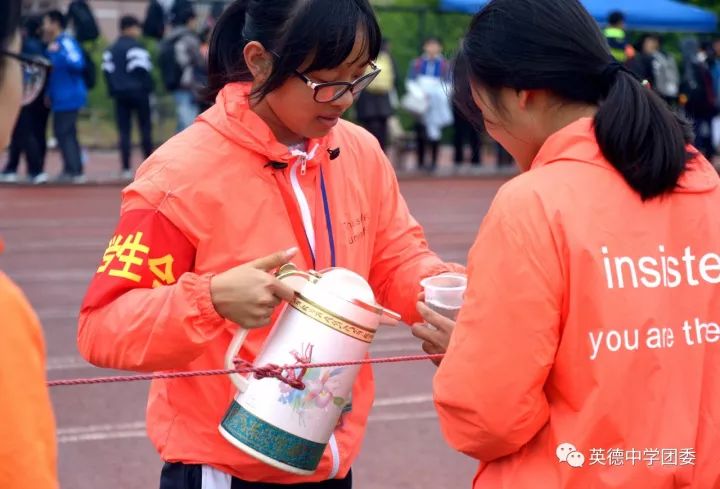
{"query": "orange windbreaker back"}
pixel 590 330
pixel 207 201
pixel 28 448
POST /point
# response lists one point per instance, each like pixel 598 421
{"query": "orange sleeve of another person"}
pixel 28 452
pixel 401 255
pixel 489 389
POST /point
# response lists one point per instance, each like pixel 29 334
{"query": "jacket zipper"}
pixel 303 203
pixel 301 161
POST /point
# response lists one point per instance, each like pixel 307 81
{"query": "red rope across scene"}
pixel 243 367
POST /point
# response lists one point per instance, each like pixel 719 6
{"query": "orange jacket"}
pixel 28 452
pixel 567 253
pixel 206 201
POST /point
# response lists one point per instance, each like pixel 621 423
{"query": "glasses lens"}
pixel 364 82
pixel 33 81
pixel 329 93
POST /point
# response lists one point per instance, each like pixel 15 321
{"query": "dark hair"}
pixel 616 17
pixel 556 45
pixel 9 25
pixel 32 25
pixel 9 21
pixel 295 31
pixel 432 39
pixel 57 17
pixel 128 21
pixel 182 14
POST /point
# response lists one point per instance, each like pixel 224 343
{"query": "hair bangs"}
pixel 334 27
pixel 302 35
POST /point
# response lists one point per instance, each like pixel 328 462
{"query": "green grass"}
pixel 98 130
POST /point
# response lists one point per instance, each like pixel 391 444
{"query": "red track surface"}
pixel 54 238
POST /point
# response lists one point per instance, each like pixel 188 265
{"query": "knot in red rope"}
pixel 270 371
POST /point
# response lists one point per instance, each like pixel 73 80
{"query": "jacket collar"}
pixel 231 115
pixel 577 142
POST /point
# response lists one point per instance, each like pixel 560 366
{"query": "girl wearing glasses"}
pixel 28 455
pixel 271 166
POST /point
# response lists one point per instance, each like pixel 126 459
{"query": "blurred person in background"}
pixel 128 73
pixel 463 131
pixel 431 72
pixel 616 38
pixel 666 74
pixel 67 92
pixel 697 93
pixel 714 65
pixel 642 63
pixel 374 105
pixel 29 136
pixel 28 447
pixel 201 72
pixel 180 58
pixel 82 21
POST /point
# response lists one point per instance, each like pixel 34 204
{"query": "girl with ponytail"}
pixel 594 276
pixel 270 173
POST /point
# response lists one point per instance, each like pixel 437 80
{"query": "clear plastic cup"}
pixel 444 293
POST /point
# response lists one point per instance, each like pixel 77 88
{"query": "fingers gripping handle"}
pixel 233 350
pixel 285 273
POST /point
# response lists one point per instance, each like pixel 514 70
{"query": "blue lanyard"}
pixel 328 221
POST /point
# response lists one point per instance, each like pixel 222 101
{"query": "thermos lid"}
pixel 342 283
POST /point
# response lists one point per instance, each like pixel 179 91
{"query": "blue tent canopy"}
pixel 641 15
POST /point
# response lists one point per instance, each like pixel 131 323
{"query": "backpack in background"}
pixel 154 25
pixel 84 24
pixel 170 70
pixel 89 72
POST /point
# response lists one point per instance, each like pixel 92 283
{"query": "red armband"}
pixel 146 251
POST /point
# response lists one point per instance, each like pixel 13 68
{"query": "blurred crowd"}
pixel 689 81
pixel 427 101
pixel 63 39
pixel 691 85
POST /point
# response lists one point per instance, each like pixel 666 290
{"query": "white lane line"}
pixel 113 435
pixel 401 401
pixel 403 334
pixel 69 312
pixel 70 362
pixel 136 429
pixel 407 347
pixel 379 418
pixel 101 428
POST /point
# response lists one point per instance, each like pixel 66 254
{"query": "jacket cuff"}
pixel 208 320
pixel 445 268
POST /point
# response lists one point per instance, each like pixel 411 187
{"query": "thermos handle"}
pixel 288 270
pixel 233 350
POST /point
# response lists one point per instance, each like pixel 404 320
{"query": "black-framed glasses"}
pixel 331 91
pixel 34 72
